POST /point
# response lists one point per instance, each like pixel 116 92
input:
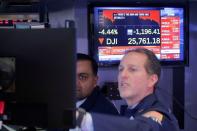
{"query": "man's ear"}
pixel 95 80
pixel 153 80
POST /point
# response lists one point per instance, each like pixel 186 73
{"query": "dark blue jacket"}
pixel 97 102
pixel 139 123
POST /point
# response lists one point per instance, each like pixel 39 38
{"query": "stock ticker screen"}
pixel 118 29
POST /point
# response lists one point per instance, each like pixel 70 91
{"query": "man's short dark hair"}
pixel 94 65
pixel 152 65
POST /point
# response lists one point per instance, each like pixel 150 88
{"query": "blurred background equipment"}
pixel 7 74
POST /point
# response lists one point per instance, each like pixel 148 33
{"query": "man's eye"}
pixel 82 77
pixel 132 69
pixel 120 69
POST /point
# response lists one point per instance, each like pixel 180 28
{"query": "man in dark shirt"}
pixel 139 73
pixel 88 94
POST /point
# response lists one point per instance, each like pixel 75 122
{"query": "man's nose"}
pixel 78 82
pixel 123 74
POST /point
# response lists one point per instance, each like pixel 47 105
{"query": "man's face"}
pixel 86 80
pixel 133 80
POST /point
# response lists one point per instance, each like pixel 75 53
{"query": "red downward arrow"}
pixel 101 40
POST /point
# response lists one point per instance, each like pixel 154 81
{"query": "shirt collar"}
pixel 80 102
pixel 133 106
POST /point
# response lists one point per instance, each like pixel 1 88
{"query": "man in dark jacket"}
pixel 88 94
pixel 139 72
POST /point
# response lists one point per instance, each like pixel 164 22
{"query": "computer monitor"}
pixel 115 28
pixel 43 91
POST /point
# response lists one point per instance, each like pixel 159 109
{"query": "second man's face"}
pixel 133 79
pixel 86 80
